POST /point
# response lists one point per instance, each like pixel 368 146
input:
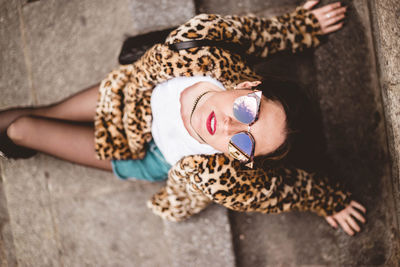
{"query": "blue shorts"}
pixel 153 167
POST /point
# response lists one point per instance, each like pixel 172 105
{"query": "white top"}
pixel 168 130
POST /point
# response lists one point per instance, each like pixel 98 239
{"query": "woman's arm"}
pixel 222 180
pixel 179 199
pixel 346 218
pixel 263 36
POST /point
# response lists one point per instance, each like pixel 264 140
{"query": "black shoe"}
pixel 12 151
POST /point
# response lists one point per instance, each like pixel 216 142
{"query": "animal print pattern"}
pixel 202 179
pixel 123 119
pixel 259 36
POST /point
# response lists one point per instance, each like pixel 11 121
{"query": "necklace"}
pixel 193 108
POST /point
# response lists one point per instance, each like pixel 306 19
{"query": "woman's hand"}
pixel 329 16
pixel 345 218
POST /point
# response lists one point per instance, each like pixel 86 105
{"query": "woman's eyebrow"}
pixel 260 116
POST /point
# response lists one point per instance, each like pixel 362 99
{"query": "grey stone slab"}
pixel 293 239
pixel 62 214
pixel 387 33
pixel 7 250
pixel 226 7
pixel 353 119
pixel 111 229
pixel 88 217
pixel 8 257
pixel 74 45
pixel 14 75
pixel 202 240
pixel 67 180
pixel 77 43
pixel 386 36
pixel 391 96
pixel 31 218
pixel 160 14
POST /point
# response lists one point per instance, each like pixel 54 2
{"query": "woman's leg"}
pixel 79 107
pixel 66 140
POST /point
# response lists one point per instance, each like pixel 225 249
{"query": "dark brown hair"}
pixel 300 113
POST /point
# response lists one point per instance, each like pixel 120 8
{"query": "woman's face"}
pixel 214 121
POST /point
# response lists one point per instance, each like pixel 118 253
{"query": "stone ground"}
pixel 54 213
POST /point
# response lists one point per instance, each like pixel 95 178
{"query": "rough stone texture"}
pixel 386 31
pixel 77 43
pixel 208 242
pixel 160 14
pixel 13 88
pixel 7 250
pixel 111 228
pixel 391 98
pixel 392 105
pixel 353 120
pixel 293 239
pixel 8 257
pixel 74 215
pixel 74 45
pixel 226 7
pixel 28 201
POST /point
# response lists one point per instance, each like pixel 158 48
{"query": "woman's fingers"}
pixel 332 17
pixel 329 17
pixel 334 14
pixel 331 221
pixel 353 224
pixel 358 206
pixel 328 8
pixel 335 19
pixel 345 218
pixel 357 215
pixel 345 226
pixel 310 4
pixel 332 28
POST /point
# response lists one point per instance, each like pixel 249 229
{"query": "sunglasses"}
pixel 245 109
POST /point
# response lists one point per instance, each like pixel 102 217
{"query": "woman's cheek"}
pixel 223 144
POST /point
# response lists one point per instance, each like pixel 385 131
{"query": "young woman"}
pixel 197 117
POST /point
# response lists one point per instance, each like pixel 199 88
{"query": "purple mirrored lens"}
pixel 245 109
pixel 244 142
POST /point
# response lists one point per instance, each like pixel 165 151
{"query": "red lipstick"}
pixel 211 123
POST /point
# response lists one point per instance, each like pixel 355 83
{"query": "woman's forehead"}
pixel 236 93
pixel 269 130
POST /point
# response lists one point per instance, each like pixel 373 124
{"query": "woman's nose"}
pixel 232 126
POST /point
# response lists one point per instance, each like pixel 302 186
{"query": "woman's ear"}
pixel 247 85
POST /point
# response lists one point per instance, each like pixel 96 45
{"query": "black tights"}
pixel 64 130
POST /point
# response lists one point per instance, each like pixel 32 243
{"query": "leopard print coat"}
pixel 123 119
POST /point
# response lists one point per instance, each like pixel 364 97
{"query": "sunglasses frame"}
pixel 249 162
